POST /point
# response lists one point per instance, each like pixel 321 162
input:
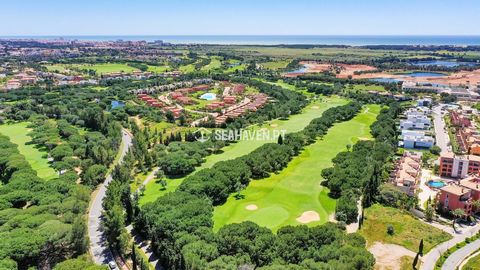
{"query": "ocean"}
pixel 281 39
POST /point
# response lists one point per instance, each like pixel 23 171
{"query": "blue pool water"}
pixel 117 104
pixel 436 184
pixel 443 63
pixel 208 96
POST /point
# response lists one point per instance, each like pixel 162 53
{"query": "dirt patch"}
pixel 308 216
pixel 251 207
pixel 389 256
pixel 463 77
pixel 315 107
pixel 274 125
pixel 364 139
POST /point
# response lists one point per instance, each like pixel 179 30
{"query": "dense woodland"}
pixel 42 222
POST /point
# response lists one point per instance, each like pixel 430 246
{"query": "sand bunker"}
pixel 315 107
pixel 274 125
pixel 388 256
pixel 308 216
pixel 251 207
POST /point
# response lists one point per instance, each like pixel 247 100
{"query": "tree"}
pixel 476 205
pixel 457 213
pixel 163 184
pixel 95 175
pixel 390 229
pixel 420 248
pixel 134 257
pixel 435 150
pixel 429 213
pixel 280 139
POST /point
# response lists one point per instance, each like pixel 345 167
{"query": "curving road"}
pixel 99 250
pixel 456 258
pixel 434 254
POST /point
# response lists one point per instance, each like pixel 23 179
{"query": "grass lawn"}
pixel 107 68
pixel 294 123
pixel 158 69
pixel 279 64
pixel 35 156
pixel 407 230
pixel 285 196
pixel 240 67
pixel 214 64
pixel 57 67
pixel 363 87
pixel 473 263
pixel 187 68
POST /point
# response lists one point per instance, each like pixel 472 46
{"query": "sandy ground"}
pixel 251 207
pixel 274 125
pixel 388 256
pixel 349 70
pixel 308 216
pixel 456 78
pixel 315 107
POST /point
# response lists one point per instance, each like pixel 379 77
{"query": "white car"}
pixel 112 265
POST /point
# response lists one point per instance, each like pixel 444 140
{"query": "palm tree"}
pixel 476 206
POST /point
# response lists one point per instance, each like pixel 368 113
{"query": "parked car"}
pixel 112 265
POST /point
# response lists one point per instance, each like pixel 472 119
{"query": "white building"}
pixel 416 139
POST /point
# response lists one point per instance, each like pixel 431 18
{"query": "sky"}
pixel 239 17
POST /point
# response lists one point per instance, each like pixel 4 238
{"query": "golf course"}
pixel 35 156
pixel 294 123
pixel 294 196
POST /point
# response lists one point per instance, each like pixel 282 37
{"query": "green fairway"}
pixel 107 68
pixel 99 68
pixel 35 156
pixel 214 64
pixel 284 197
pixel 158 69
pixel 274 65
pixel 187 68
pixel 294 123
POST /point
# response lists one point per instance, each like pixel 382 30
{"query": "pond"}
pixel 425 74
pixel 117 104
pixel 385 80
pixel 208 96
pixel 443 63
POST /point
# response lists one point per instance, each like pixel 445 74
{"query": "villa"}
pixel 460 195
pixel 407 172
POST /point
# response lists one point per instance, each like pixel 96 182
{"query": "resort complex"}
pixel 223 135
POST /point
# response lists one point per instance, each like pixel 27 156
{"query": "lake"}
pixel 443 63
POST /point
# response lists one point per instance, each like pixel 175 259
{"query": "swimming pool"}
pixel 208 96
pixel 436 184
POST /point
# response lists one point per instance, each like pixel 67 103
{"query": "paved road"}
pixel 431 257
pixel 456 258
pixel 441 135
pixel 99 250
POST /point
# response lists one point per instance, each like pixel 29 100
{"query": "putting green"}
pixel 293 124
pixel 284 197
pixel 35 156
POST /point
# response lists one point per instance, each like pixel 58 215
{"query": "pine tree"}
pixel 420 248
pixel 134 258
pixel 280 139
